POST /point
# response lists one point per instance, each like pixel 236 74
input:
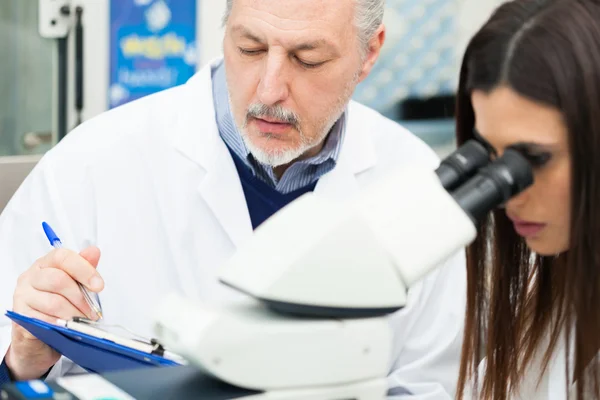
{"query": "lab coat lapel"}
pixel 200 141
pixel 222 191
pixel 357 155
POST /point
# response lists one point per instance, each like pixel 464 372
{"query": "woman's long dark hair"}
pixel 547 51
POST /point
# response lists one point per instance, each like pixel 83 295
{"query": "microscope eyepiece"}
pixel 494 184
pixel 462 164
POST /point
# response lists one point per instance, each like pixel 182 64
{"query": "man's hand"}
pixel 47 291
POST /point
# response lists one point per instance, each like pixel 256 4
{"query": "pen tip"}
pixel 99 315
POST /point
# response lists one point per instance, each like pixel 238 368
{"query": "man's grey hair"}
pixel 369 16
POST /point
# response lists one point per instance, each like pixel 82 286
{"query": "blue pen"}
pixel 56 243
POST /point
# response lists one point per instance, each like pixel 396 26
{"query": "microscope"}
pixel 321 277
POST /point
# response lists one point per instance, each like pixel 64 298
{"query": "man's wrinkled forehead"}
pixel 294 43
pixel 317 19
pixel 299 9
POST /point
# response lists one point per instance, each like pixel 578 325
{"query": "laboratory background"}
pixel 65 61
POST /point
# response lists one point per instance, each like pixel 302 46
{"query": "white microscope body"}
pixel 321 278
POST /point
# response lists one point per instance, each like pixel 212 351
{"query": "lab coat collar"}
pixel 357 155
pixel 196 136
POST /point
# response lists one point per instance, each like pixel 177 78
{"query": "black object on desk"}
pixel 159 383
pixel 175 383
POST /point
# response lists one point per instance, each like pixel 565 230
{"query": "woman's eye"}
pixel 537 160
pixel 536 157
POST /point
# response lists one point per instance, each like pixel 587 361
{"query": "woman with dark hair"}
pixel 530 80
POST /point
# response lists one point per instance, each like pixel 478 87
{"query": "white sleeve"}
pixel 428 336
pixel 22 239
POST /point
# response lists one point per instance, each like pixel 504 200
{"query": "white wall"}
pixel 472 15
pixel 211 33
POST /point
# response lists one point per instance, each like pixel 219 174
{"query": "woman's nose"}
pixel 517 201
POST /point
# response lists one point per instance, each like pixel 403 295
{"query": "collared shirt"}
pixel 300 173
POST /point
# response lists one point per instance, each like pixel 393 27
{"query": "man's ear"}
pixel 373 52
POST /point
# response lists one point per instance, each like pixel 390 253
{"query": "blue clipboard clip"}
pixel 93 352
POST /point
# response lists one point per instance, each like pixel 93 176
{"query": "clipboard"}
pixel 96 354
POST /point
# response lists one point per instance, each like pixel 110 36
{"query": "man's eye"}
pixel 308 65
pixel 249 52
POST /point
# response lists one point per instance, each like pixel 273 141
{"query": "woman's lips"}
pixel 527 228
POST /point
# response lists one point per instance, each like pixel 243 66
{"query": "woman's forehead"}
pixel 503 115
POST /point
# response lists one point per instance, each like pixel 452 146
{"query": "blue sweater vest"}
pixel 263 200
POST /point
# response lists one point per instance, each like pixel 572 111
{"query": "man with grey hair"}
pixel 170 185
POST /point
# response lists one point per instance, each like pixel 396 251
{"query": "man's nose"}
pixel 273 87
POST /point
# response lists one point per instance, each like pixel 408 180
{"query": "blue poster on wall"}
pixel 152 47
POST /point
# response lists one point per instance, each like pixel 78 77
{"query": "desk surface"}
pixel 174 383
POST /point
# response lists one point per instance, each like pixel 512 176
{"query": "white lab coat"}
pixel 153 186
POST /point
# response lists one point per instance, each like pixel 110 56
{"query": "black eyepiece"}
pixel 462 164
pixel 494 184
